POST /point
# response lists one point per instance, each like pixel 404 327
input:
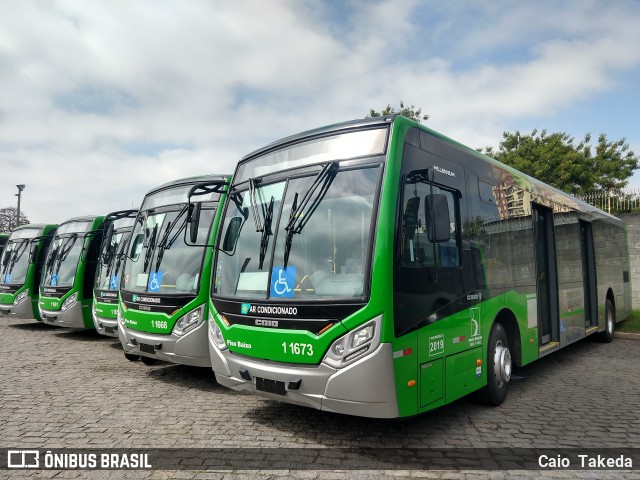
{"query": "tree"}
pixel 574 168
pixel 409 112
pixel 8 219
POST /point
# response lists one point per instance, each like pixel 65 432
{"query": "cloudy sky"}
pixel 101 101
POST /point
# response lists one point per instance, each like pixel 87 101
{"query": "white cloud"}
pixel 101 101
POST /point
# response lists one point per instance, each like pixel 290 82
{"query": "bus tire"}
pixel 148 360
pixel 498 367
pixel 131 357
pixel 610 323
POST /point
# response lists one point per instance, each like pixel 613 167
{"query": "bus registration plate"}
pixel 146 348
pixel 270 386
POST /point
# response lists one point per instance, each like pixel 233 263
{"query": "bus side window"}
pixel 478 267
pixel 418 230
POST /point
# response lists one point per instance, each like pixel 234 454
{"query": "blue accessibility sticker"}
pixel 7 278
pixel 155 282
pixel 54 279
pixel 283 281
pixel 113 283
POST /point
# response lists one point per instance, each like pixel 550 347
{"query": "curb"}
pixel 627 335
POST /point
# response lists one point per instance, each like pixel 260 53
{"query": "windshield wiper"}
pixel 266 231
pixel 257 219
pixel 267 214
pixel 15 255
pixel 300 214
pixel 165 243
pixel 150 248
pixel 64 251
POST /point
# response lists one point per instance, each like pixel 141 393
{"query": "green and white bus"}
pixel 104 310
pixel 167 273
pixel 21 268
pixel 378 268
pixel 66 290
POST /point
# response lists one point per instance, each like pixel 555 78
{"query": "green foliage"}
pixel 8 219
pixel 409 112
pixel 556 159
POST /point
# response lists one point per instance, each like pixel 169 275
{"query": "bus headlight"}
pixel 69 302
pixel 20 298
pixel 189 321
pixel 215 334
pixel 362 336
pixel 355 344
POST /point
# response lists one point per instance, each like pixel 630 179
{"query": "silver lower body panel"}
pixel 365 388
pixel 189 349
pixel 23 310
pixel 71 318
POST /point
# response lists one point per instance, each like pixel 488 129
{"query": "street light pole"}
pixel 20 189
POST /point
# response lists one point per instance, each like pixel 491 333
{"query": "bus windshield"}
pixel 159 260
pixel 14 265
pixel 62 260
pixel 322 229
pixel 111 259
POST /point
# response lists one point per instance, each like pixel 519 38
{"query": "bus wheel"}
pixel 498 367
pixel 131 357
pixel 148 361
pixel 610 319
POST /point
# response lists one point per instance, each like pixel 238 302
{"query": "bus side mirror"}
pixel 411 217
pixel 436 210
pixel 193 219
pixel 136 246
pixel 107 243
pixel 232 234
pixel 33 251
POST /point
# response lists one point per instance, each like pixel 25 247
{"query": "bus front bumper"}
pixel 23 310
pixel 188 349
pixel 365 388
pixel 106 326
pixel 71 318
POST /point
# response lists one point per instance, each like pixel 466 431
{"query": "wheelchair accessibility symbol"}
pixel 155 282
pixel 113 283
pixel 283 281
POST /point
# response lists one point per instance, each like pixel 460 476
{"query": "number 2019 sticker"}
pixel 436 345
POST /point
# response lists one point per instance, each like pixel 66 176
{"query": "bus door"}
pixel 589 274
pixel 546 274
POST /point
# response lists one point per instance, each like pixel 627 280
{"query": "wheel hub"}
pixel 502 363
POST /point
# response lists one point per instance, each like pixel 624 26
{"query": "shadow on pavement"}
pixel 34 326
pixel 199 378
pixel 81 335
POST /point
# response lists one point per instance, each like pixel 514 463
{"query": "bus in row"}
pixel 21 266
pixel 66 289
pixel 378 268
pixel 104 308
pixel 166 273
